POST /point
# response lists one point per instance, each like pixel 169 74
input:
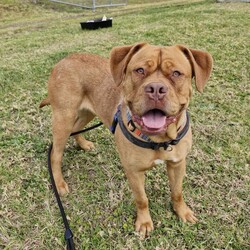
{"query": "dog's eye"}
pixel 140 71
pixel 176 73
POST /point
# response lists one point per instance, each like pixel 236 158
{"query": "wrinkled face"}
pixel 157 86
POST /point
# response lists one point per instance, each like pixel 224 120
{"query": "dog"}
pixel 142 94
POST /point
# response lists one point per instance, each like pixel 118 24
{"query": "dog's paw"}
pixel 144 225
pixel 85 144
pixel 186 214
pixel 62 188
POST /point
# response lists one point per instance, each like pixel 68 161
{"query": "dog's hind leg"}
pixel 62 125
pixel 85 118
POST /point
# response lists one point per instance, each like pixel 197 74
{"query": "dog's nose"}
pixel 156 91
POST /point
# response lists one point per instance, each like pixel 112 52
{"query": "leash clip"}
pixel 168 147
pixel 69 239
pixel 68 234
pixel 165 147
pixel 112 128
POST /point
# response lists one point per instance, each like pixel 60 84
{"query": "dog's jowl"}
pixel 142 92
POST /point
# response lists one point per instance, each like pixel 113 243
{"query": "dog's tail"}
pixel 44 102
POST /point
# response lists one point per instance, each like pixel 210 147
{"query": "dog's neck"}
pixel 170 133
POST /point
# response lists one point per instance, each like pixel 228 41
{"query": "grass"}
pixel 100 207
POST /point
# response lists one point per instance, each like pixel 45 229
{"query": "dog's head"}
pixel 157 81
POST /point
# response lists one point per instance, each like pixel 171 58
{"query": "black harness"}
pixel 148 143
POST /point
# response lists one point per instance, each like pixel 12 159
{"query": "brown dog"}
pixel 152 87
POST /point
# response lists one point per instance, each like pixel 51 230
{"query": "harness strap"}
pixel 134 129
pixel 147 144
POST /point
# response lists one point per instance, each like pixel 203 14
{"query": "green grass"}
pixel 100 206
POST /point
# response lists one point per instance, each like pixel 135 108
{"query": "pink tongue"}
pixel 154 119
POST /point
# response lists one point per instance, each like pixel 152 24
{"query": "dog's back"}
pixel 82 76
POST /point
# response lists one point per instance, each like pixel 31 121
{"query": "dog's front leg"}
pixel 143 224
pixel 176 172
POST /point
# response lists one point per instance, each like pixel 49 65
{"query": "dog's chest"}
pixel 158 161
pixel 162 156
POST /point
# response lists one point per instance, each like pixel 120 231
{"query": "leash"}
pixel 68 235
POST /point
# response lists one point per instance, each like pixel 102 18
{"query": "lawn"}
pixel 100 206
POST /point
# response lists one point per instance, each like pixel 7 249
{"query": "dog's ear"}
pixel 119 59
pixel 202 63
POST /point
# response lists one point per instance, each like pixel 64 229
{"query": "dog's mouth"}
pixel 154 121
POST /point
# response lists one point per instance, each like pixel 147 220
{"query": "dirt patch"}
pixel 7 10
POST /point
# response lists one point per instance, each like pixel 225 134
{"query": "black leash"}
pixel 87 129
pixel 68 235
